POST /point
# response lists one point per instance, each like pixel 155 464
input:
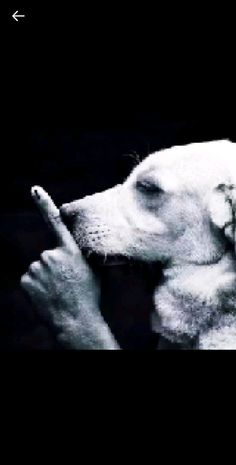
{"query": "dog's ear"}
pixel 223 209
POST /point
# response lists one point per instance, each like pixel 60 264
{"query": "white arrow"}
pixel 15 15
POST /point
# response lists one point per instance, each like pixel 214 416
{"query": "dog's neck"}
pixel 196 303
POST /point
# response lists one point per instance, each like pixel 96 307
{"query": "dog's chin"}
pixel 98 259
pixel 127 289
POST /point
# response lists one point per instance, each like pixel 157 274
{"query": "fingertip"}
pixel 36 192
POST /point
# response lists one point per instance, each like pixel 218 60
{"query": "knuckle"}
pixel 50 256
pixel 57 218
pixel 25 280
pixel 34 267
pixel 45 256
pixel 59 253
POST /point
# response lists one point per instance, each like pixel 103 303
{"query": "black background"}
pixel 85 89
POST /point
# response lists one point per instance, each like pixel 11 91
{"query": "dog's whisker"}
pixel 134 156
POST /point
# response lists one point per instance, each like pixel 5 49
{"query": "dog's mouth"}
pixel 101 260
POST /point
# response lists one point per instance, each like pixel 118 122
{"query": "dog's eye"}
pixel 148 187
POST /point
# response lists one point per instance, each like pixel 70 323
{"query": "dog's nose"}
pixel 66 210
pixel 68 213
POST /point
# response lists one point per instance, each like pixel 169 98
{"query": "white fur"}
pixel 187 227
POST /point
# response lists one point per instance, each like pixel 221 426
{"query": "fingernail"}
pixel 36 193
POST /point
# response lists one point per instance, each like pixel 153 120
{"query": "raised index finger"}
pixel 51 214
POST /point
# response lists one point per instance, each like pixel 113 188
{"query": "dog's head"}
pixel 175 207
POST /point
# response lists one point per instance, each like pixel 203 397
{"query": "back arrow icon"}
pixel 16 16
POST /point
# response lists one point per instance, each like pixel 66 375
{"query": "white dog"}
pixel 177 207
